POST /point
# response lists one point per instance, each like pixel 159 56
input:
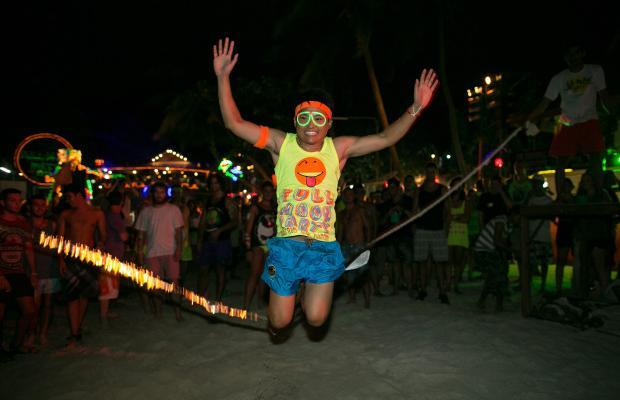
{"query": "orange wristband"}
pixel 262 139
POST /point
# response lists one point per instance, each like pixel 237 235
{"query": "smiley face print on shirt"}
pixel 310 171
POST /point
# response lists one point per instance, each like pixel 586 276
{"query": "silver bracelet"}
pixel 413 113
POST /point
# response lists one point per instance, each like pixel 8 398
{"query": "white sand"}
pixel 399 349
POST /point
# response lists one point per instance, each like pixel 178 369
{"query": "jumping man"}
pixel 307 167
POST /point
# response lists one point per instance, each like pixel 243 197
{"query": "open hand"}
pixel 223 60
pixel 425 89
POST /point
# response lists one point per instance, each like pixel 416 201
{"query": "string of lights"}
pixel 141 276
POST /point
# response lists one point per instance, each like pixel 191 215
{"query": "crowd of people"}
pixel 181 235
pixel 473 234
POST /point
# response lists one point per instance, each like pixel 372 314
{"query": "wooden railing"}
pixel 550 211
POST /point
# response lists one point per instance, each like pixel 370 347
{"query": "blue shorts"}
pixel 291 262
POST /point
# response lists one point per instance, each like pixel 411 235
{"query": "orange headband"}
pixel 315 104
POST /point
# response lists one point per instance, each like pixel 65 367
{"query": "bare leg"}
pixel 184 269
pixel 396 267
pixel 559 172
pixel 317 302
pixel 203 281
pixel 451 268
pixel 598 256
pixel 221 281
pixel 374 279
pixel 83 306
pixel 45 314
pixel 424 273
pixel 378 268
pixel 74 311
pixel 559 270
pixel 595 163
pixel 459 267
pixel 470 263
pixel 280 310
pixel 31 332
pixel 442 277
pixel 156 302
pixel 350 284
pixel 544 269
pixel 413 278
pixel 177 304
pixel 256 269
pixel 28 312
pixel 104 306
pixel 366 290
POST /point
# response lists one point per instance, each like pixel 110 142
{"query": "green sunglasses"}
pixel 304 117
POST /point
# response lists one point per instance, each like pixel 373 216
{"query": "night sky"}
pixel 103 73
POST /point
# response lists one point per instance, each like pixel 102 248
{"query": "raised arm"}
pixel 249 224
pixel 539 110
pixel 352 146
pixel 223 64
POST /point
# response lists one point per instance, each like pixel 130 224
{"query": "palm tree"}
pixel 443 77
pixel 347 30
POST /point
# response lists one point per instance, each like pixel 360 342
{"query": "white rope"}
pixel 356 264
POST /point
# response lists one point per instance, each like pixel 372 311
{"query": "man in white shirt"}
pixel 579 131
pixel 160 226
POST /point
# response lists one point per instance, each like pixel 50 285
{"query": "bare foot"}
pixel 29 341
pixel 73 342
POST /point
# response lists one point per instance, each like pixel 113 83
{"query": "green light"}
pixel 233 172
pixel 304 117
pixel 611 159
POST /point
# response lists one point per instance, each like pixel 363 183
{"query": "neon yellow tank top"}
pixel 307 190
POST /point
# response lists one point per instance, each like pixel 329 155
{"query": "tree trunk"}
pixel 262 171
pixel 376 91
pixel 452 117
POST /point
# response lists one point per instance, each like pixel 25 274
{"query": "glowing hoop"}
pixel 31 138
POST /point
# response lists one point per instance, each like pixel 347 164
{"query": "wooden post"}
pixel 524 269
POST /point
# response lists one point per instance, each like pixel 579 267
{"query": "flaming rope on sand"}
pixel 141 276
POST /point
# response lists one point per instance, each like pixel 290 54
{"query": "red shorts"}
pixel 585 137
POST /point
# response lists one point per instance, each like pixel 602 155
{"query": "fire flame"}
pixel 143 277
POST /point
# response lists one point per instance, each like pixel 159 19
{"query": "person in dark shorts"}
pixel 219 219
pixel 352 233
pixel 397 249
pixel 48 275
pixel 17 266
pixel 260 227
pixel 79 224
pixel 490 250
pixel 592 238
pixel 431 235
